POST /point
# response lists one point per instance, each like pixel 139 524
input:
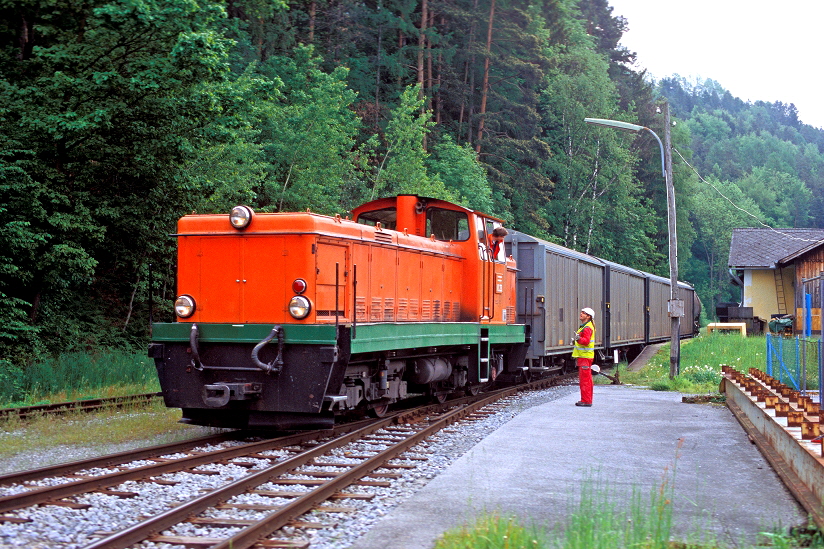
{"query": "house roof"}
pixel 763 248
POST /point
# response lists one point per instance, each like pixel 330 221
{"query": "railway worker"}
pixel 584 354
pixel 496 243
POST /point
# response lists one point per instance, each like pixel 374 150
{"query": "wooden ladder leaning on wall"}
pixel 779 291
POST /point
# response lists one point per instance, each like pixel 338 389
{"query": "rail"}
pixel 85 405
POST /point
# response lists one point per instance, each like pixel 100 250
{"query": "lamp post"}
pixel 675 306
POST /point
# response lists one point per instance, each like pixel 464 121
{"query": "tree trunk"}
pixel 378 77
pixel 131 303
pixel 438 80
pixel 430 25
pixel 313 6
pixel 401 44
pixel 421 44
pixel 485 85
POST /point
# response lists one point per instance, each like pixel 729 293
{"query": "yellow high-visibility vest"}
pixel 588 350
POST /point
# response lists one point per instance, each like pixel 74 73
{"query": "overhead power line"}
pixel 737 207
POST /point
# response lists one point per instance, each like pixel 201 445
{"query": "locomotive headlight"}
pixel 241 216
pixel 299 307
pixel 185 306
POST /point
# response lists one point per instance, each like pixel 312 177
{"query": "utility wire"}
pixel 736 206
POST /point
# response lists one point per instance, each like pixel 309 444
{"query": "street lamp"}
pixel 675 306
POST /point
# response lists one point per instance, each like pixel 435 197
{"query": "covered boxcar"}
pixel 555 283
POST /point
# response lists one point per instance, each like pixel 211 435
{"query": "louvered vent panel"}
pixel 414 309
pixel 376 313
pixel 360 309
pixel 403 309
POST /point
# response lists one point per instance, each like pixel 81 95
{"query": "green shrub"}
pixel 702 374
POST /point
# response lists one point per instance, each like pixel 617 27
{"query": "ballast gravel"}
pixel 64 528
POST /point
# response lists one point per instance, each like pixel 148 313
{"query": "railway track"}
pixel 255 488
pixel 86 405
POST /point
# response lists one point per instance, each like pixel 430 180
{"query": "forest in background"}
pixel 117 117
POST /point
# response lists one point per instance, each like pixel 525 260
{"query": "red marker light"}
pixel 299 286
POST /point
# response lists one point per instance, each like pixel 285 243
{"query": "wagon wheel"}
pixel 473 389
pixel 379 411
pixel 440 397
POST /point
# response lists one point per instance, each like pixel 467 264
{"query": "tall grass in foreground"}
pixel 606 518
pixel 600 519
pixel 72 376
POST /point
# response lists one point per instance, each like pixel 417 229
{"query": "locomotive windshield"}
pixel 386 217
pixel 447 224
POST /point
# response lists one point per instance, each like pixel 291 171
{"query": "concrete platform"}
pixel 533 467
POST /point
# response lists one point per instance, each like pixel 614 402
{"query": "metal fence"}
pixel 796 361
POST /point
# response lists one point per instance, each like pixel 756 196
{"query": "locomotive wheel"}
pixel 473 390
pixel 440 398
pixel 379 411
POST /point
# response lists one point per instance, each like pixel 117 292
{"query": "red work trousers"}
pixel 585 378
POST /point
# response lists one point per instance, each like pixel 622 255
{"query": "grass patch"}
pixel 76 376
pixel 701 360
pixel 52 439
pixel 493 531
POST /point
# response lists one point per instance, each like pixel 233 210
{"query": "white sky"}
pixel 759 50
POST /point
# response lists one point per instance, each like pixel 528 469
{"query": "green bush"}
pixel 660 385
pixel 702 374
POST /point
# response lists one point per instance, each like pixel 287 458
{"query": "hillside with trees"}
pixel 759 166
pixel 117 117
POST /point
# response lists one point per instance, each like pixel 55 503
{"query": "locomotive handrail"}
pixel 276 365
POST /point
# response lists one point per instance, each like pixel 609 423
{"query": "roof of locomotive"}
pixel 392 200
pixel 306 223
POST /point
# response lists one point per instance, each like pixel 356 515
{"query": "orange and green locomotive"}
pixel 286 320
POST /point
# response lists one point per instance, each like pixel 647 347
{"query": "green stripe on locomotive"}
pixel 368 337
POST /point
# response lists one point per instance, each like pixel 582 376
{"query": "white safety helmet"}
pixel 590 312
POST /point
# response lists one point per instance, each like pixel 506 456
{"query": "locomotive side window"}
pixel 386 217
pixel 447 224
pixel 492 251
